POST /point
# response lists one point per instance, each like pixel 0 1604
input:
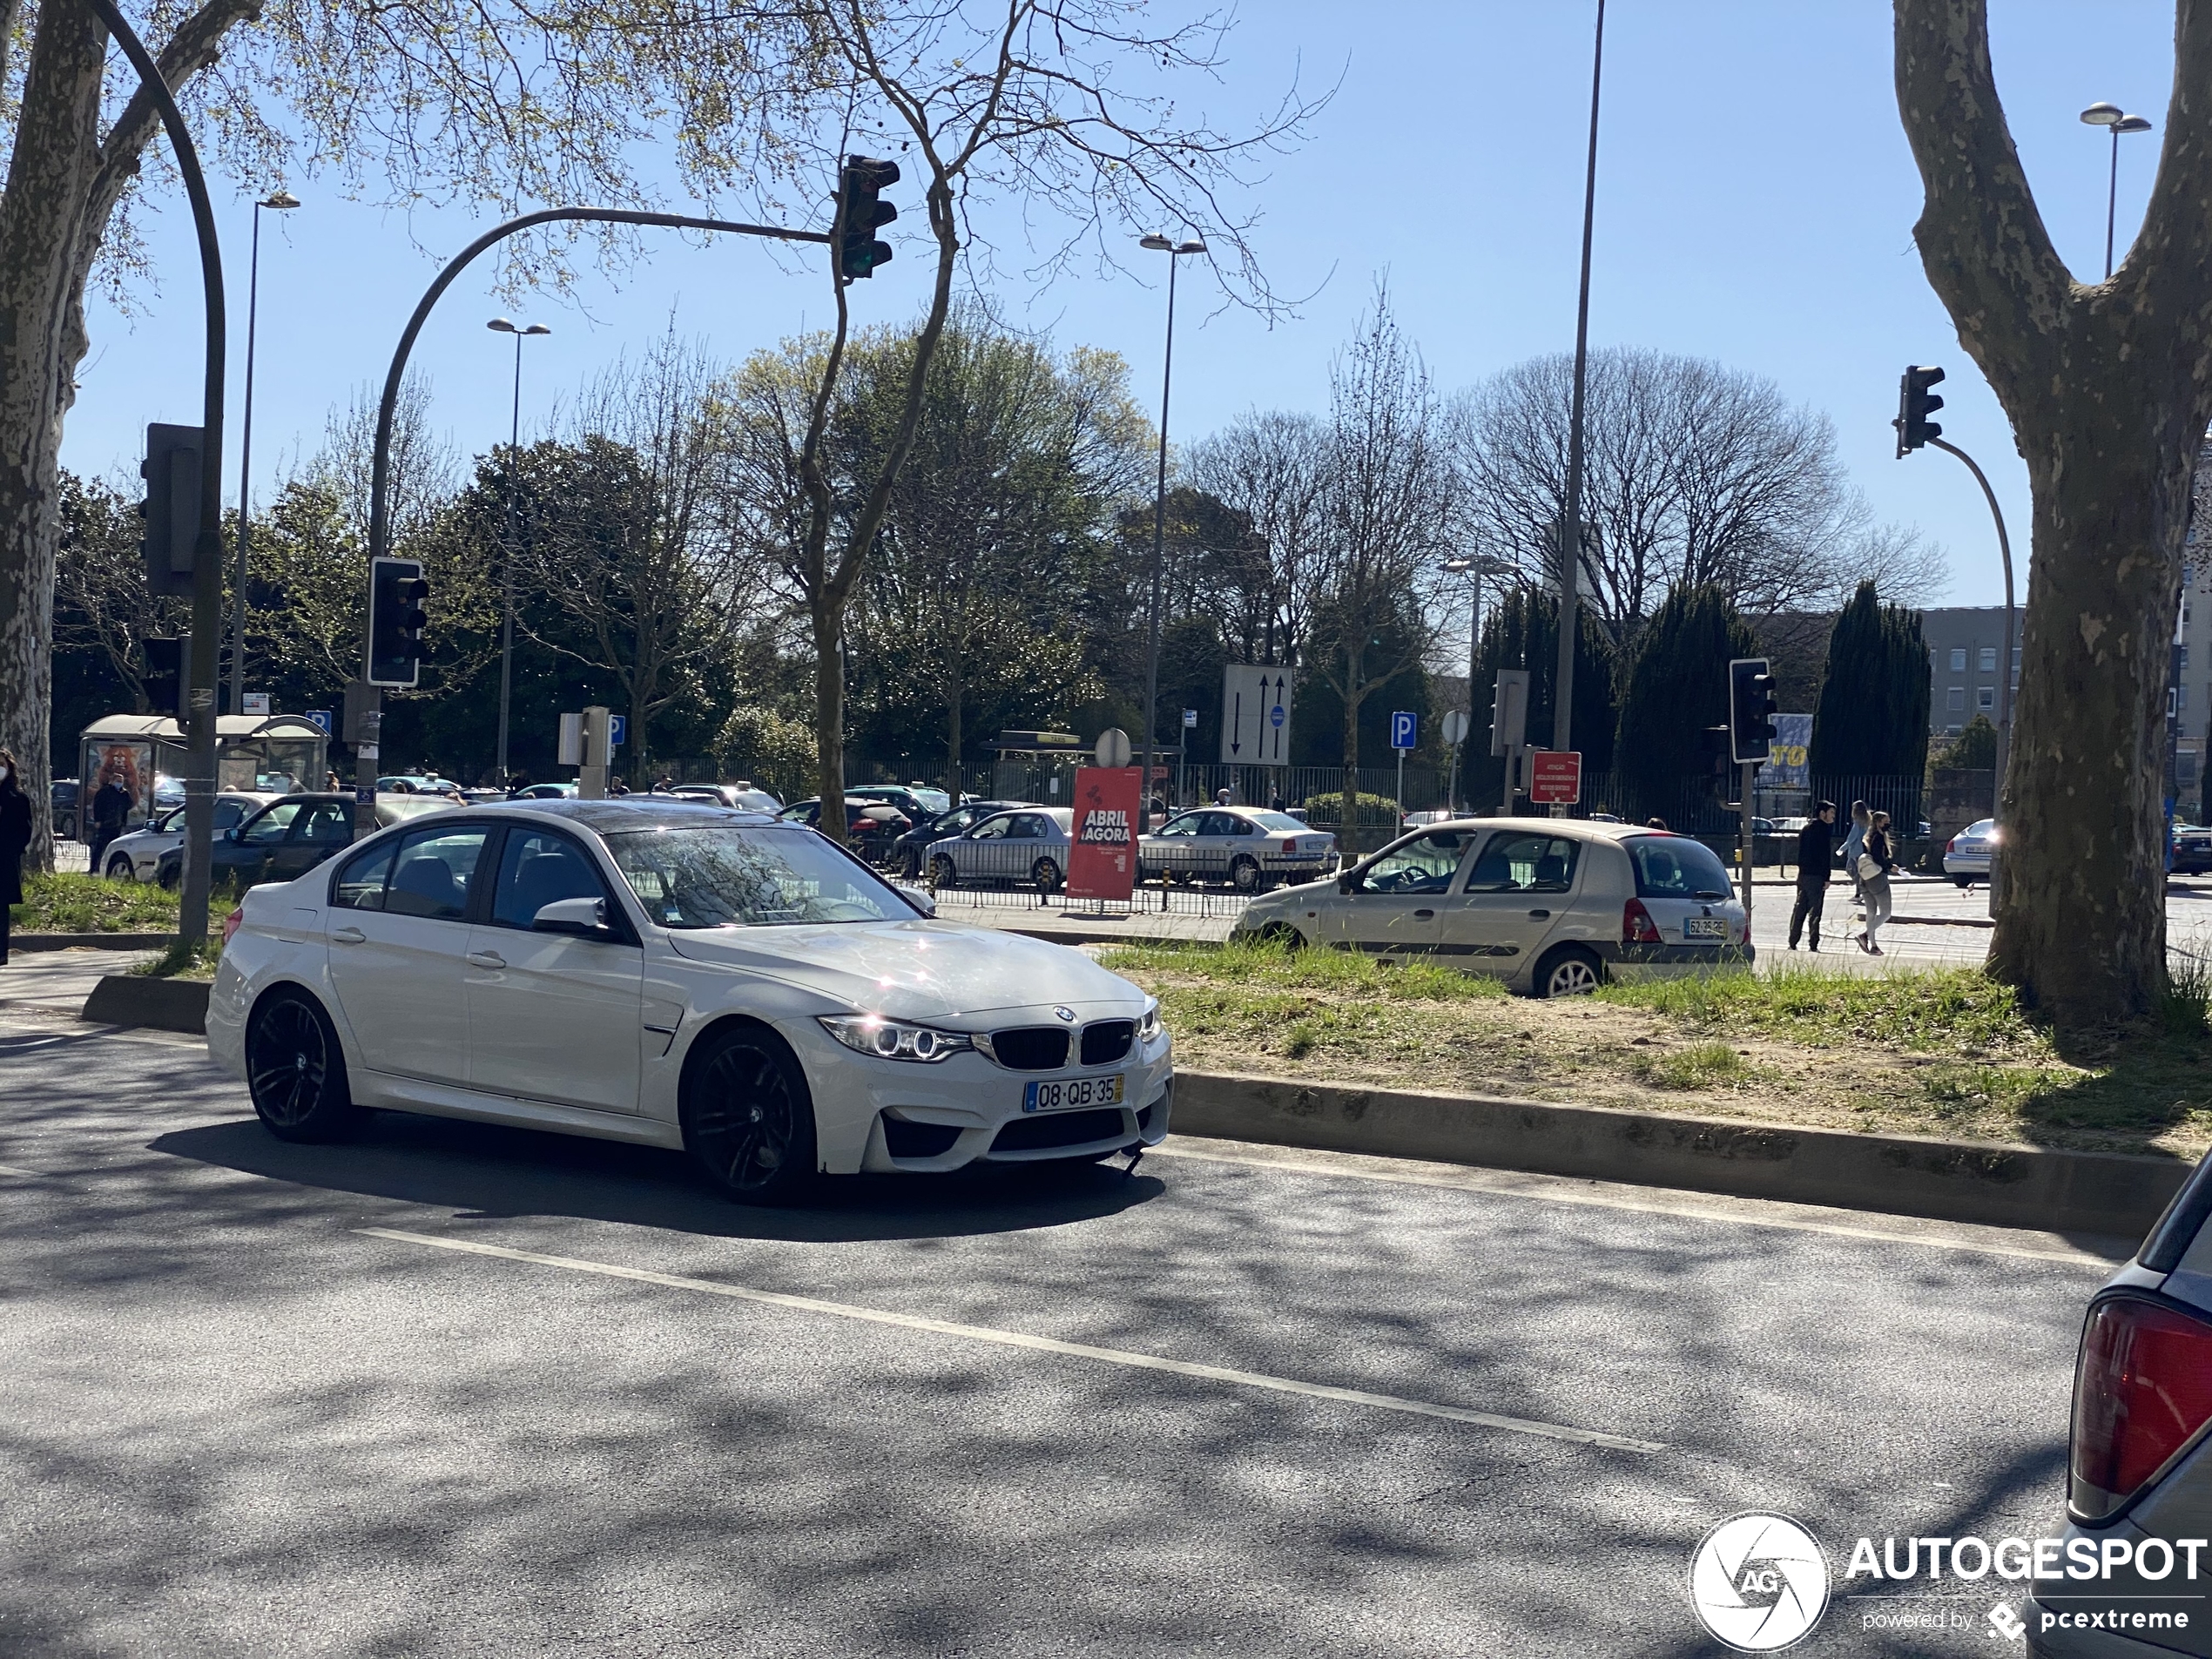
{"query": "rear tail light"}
pixel 1951 846
pixel 231 922
pixel 1290 844
pixel 2141 1391
pixel 1636 925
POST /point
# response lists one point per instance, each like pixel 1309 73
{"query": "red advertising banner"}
pixel 1556 778
pixel 1102 856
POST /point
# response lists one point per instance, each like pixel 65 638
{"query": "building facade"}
pixel 1965 645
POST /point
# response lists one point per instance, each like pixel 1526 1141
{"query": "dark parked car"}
pixel 871 826
pixel 742 796
pixel 288 838
pixel 911 851
pixel 917 801
pixel 65 799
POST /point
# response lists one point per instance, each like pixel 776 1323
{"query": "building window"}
pixel 1958 659
pixel 1950 732
pixel 1985 697
pixel 1989 659
pixel 1958 699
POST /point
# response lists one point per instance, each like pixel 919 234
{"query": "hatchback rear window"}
pixel 1674 866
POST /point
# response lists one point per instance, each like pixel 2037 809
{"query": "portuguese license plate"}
pixel 1705 928
pixel 1076 1091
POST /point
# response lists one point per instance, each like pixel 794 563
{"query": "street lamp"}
pixel 282 201
pixel 2111 116
pixel 1159 243
pixel 500 325
pixel 1570 533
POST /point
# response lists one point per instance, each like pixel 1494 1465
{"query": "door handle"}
pixel 1424 915
pixel 349 936
pixel 486 959
pixel 1540 915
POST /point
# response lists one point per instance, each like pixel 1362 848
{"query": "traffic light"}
pixel 397 595
pixel 1915 403
pixel 1750 710
pixel 171 507
pixel 860 215
pixel 165 674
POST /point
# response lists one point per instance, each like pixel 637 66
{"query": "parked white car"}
pixel 137 856
pixel 677 975
pixel 1965 856
pixel 1250 849
pixel 1552 905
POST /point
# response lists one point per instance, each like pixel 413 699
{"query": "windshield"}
pixel 725 875
pixel 1675 867
pixel 932 800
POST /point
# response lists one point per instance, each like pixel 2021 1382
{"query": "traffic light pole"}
pixel 207 553
pixel 2005 668
pixel 381 465
pixel 1750 772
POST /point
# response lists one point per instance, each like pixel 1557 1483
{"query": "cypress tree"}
pixel 1522 631
pixel 1676 688
pixel 1873 715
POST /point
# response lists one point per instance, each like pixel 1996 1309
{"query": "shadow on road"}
pixel 491 1171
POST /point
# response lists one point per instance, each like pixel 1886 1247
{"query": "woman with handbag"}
pixel 1854 844
pixel 15 839
pixel 1873 868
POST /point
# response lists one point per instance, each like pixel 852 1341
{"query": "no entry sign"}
pixel 1555 778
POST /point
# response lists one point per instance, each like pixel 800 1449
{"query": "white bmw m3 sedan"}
pixel 678 975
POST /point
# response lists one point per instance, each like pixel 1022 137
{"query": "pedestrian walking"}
pixel 1813 851
pixel 1854 844
pixel 1874 868
pixel 1221 798
pixel 110 810
pixel 14 840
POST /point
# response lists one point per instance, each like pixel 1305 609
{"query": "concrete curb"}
pixel 1977 1181
pixel 134 999
pixel 91 941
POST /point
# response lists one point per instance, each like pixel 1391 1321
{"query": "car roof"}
pixel 640 813
pixel 1574 829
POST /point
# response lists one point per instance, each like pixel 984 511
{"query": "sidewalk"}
pixel 45 983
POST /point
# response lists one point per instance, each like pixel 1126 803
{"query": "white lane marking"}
pixel 1475 1181
pixel 1041 1344
pixel 28 1175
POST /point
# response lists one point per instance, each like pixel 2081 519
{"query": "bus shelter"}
pixel 271 754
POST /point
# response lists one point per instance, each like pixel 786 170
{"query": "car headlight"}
pixel 1149 1028
pixel 872 1034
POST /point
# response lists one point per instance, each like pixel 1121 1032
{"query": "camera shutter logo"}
pixel 1759 1583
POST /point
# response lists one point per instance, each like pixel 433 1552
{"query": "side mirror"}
pixel 1343 884
pixel 231 834
pixel 916 897
pixel 586 917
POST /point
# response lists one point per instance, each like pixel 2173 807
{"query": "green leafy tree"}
pixel 1972 750
pixel 1675 689
pixel 1873 717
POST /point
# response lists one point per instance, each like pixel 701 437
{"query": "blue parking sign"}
pixel 617 729
pixel 321 717
pixel 1404 729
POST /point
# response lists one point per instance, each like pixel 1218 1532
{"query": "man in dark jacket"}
pixel 110 810
pixel 1816 847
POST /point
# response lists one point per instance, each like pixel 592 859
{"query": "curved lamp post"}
pixel 1175 250
pixel 2111 116
pixel 282 201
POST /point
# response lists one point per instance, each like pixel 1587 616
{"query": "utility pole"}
pixel 1570 533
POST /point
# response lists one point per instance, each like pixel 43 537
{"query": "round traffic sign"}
pixel 1113 747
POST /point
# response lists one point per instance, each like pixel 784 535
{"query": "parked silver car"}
pixel 2139 1493
pixel 1965 858
pixel 1552 905
pixel 1029 844
pixel 137 856
pixel 1250 849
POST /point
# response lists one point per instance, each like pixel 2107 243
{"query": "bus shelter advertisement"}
pixel 1102 856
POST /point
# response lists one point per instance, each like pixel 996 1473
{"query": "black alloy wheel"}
pixel 1046 874
pixel 296 1072
pixel 943 872
pixel 748 1117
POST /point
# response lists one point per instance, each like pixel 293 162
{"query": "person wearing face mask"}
pixel 15 837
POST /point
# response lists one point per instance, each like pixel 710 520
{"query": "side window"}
pixel 1524 863
pixel 431 872
pixel 991 829
pixel 538 868
pixel 268 829
pixel 228 814
pixel 327 823
pixel 1425 866
pixel 360 881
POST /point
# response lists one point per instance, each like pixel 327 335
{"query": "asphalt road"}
pixel 238 1422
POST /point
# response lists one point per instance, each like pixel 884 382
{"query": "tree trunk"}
pixel 829 716
pixel 2109 389
pixel 49 176
pixel 1348 842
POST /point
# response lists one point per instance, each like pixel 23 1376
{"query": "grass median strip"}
pixel 1022 1339
pixel 63 903
pixel 1945 1052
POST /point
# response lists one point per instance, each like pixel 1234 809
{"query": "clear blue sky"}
pixel 1756 200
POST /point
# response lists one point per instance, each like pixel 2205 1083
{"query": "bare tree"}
pixel 1695 474
pixel 630 545
pixel 1386 522
pixel 1272 466
pixel 101 599
pixel 2109 390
